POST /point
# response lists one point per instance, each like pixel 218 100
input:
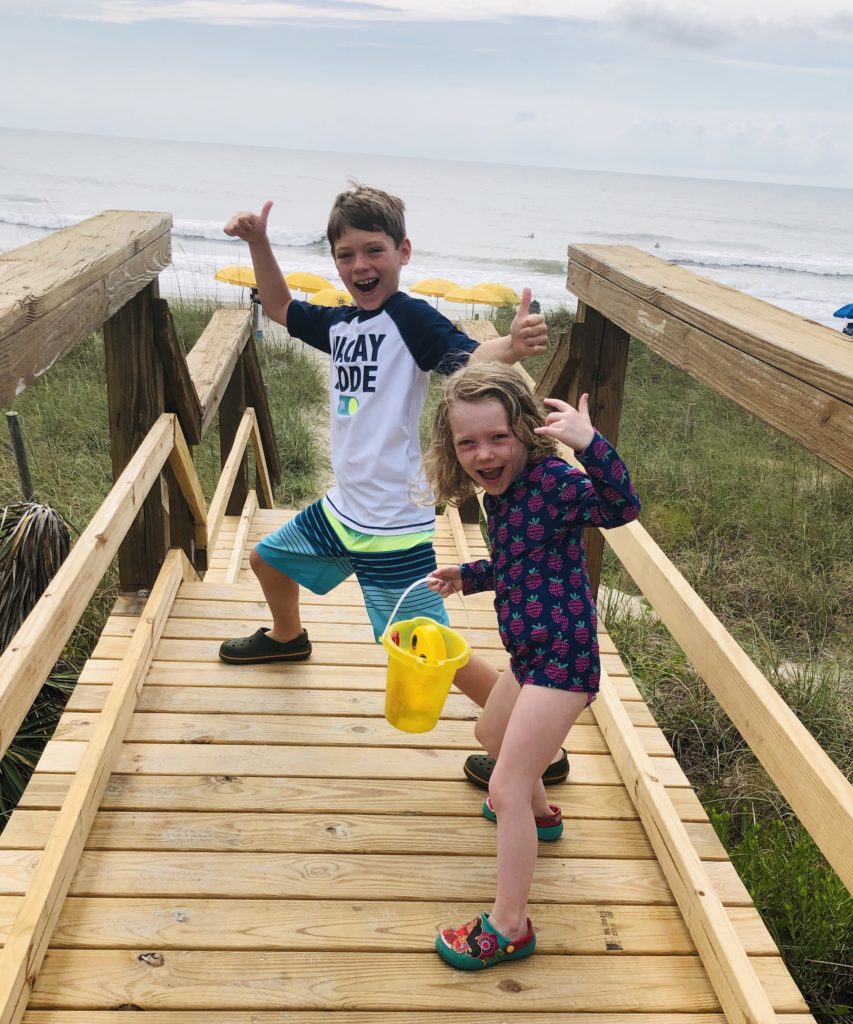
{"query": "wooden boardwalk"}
pixel 269 849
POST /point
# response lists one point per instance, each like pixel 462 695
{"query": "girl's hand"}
pixel 571 426
pixel 445 580
pixel 251 227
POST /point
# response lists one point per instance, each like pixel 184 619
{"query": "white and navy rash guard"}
pixel 379 374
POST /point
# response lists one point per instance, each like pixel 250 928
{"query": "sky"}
pixel 756 90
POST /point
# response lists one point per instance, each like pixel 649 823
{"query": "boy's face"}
pixel 369 264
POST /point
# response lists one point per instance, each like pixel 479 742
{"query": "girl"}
pixel 488 433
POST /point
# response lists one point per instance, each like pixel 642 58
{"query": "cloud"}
pixel 675 26
pixel 669 20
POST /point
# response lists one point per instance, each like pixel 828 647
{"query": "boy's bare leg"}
pixel 282 595
pixel 477 680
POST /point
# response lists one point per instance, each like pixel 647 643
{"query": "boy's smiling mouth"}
pixel 366 286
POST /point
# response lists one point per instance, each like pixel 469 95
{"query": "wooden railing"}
pixel 796 376
pixel 793 375
pixel 147 374
pixel 103 273
pixel 55 292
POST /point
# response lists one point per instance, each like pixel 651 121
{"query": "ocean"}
pixel 471 222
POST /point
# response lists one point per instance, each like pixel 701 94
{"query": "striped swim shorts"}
pixel 308 550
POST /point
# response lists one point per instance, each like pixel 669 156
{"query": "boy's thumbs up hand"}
pixel 528 332
pixel 251 227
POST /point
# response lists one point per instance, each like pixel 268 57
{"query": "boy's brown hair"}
pixel 366 209
pixel 481 381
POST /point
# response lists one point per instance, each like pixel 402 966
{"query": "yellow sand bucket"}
pixel 421 668
pixel 423 657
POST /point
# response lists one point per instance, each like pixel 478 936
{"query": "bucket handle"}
pixel 405 594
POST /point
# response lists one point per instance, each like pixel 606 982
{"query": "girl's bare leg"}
pixel 535 720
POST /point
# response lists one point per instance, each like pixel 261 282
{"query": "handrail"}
pixel 247 429
pixel 33 925
pixel 33 650
pixel 794 375
pixel 733 977
pixel 805 774
pixel 59 289
pixel 824 805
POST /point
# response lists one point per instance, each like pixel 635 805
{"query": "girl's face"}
pixel 487 449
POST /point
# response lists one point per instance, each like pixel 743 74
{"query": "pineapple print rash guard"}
pixel 546 611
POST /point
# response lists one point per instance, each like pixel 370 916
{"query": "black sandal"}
pixel 258 649
pixel 478 769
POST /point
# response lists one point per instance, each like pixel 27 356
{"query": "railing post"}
pixel 135 398
pixel 592 359
pixel 231 411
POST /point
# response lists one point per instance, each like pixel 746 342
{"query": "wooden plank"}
pixel 798 348
pixel 206 652
pixel 815 788
pixel 231 470
pixel 599 350
pixel 382 981
pixel 135 398
pixel 732 974
pixel 256 395
pixel 341 926
pixel 184 469
pixel 38 643
pixel 232 574
pixel 331 731
pixel 261 468
pixel 54 292
pixel 300 762
pixel 819 422
pixel 213 357
pixel 358 633
pixel 370 1017
pixel 262 832
pixel 235 793
pixel 356 1017
pixel 461 550
pixel 358 876
pixel 232 409
pixel 293 701
pixel 30 932
pixel 181 397
pixel 337 796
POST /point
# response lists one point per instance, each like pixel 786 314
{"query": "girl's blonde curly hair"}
pixel 481 381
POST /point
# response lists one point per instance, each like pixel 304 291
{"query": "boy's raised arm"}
pixel 272 287
pixel 528 336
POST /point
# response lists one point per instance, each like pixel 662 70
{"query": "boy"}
pixel 382 351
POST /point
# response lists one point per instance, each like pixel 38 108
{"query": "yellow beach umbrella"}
pixel 509 296
pixel 242 276
pixel 477 294
pixel 436 287
pixel 331 297
pixel 304 281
